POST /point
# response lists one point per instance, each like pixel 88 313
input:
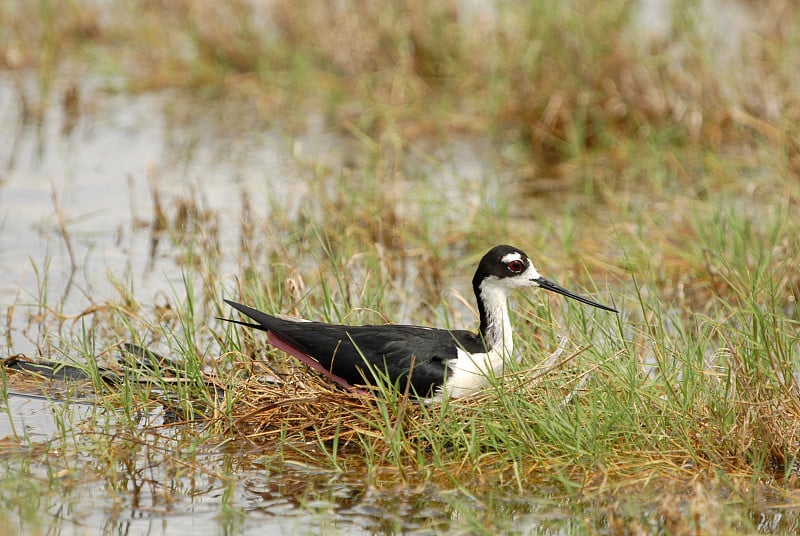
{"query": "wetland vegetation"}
pixel 646 154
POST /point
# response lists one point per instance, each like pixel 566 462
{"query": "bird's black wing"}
pixel 394 349
pixel 344 351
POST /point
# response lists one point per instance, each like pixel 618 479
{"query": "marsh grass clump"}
pixel 725 410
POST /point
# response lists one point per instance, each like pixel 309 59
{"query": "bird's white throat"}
pixel 498 335
pixel 494 292
pixel 472 372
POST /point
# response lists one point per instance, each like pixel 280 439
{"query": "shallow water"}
pixel 233 492
pixel 97 179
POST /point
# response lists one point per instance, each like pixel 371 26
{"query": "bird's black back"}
pixel 388 349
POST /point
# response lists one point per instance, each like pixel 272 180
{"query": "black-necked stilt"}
pixel 442 362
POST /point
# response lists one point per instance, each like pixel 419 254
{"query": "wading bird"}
pixel 442 362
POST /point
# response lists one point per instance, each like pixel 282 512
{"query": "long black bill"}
pixel 555 287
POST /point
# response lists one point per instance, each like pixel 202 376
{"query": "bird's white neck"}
pixel 495 319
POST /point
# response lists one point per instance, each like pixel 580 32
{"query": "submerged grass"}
pixel 675 200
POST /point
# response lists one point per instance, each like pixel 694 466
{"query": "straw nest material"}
pixel 305 407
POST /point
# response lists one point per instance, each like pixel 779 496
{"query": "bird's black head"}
pixel 504 262
pixel 505 268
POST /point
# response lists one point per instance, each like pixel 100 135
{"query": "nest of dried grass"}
pixel 304 407
pixel 301 405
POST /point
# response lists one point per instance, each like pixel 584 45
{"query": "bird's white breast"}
pixel 471 372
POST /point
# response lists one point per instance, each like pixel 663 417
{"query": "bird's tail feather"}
pixel 246 324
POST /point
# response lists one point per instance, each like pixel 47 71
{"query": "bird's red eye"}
pixel 516 266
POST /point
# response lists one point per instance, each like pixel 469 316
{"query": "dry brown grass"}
pixel 566 79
